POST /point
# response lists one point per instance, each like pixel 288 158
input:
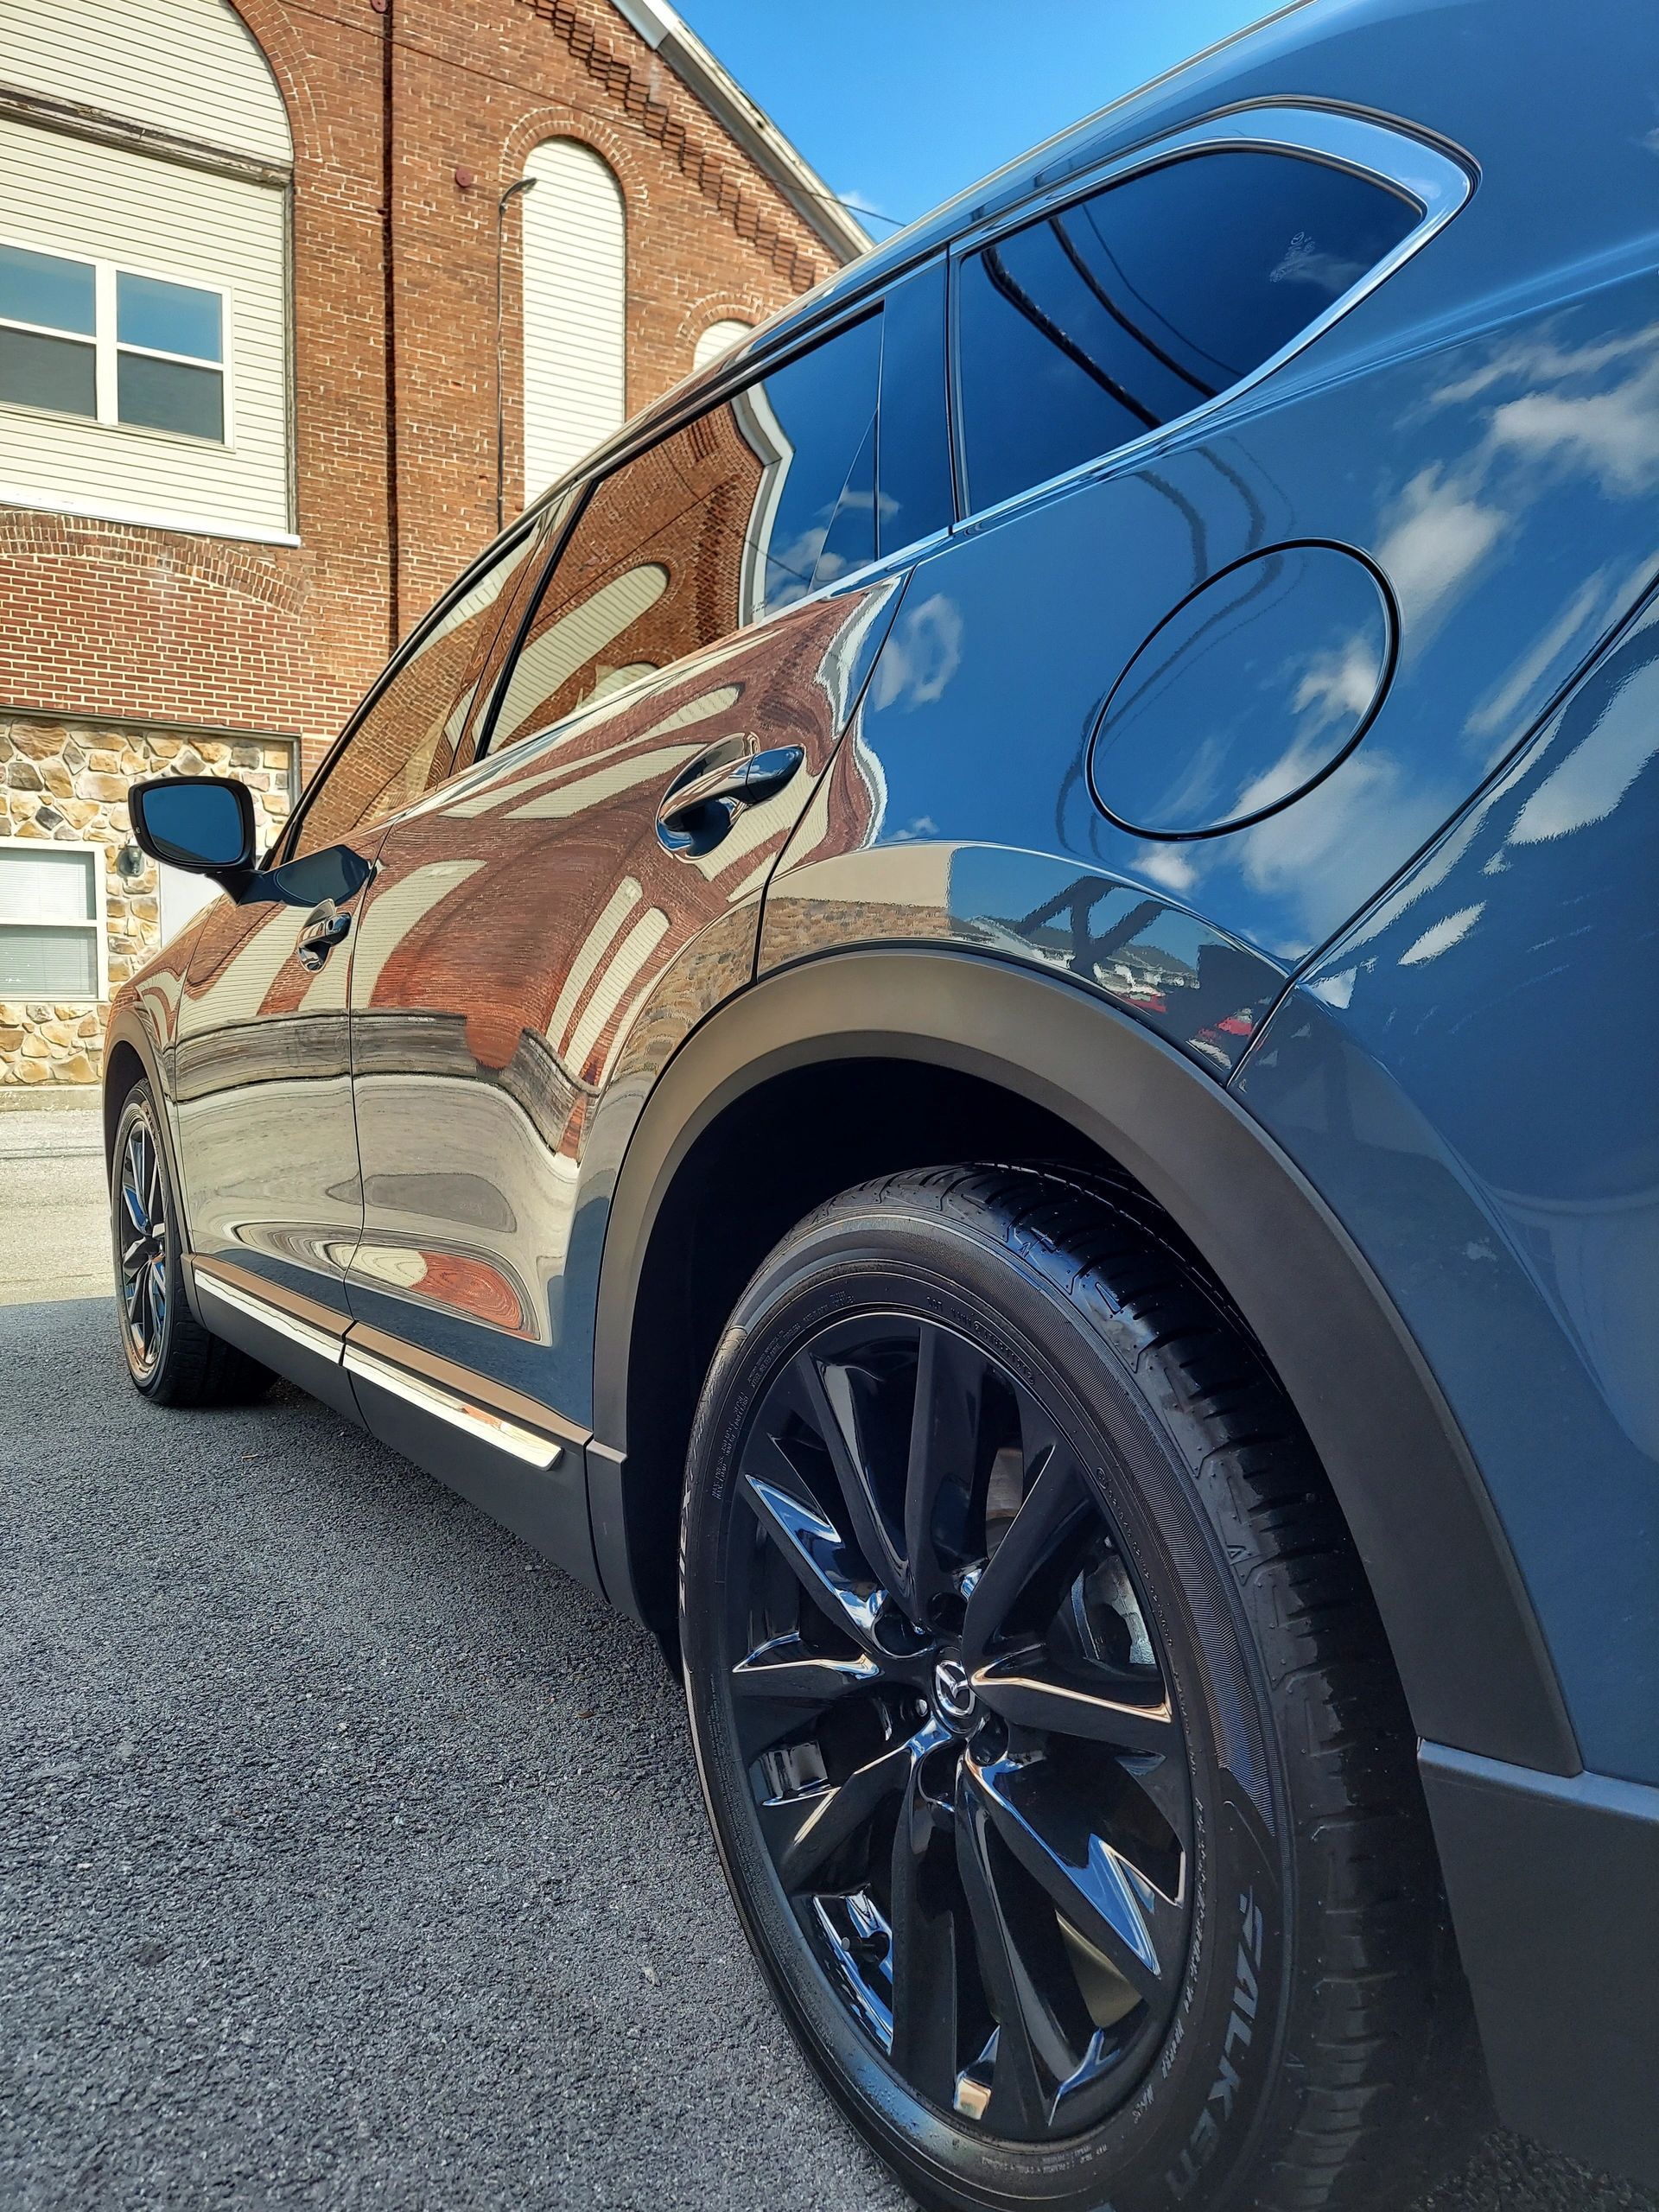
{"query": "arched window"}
pixel 718 338
pixel 576 308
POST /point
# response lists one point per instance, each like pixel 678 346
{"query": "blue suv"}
pixel 978 1025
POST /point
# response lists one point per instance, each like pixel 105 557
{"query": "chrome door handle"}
pixel 324 927
pixel 700 808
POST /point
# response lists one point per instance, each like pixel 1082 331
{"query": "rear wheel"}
pixel 1047 1730
pixel 170 1357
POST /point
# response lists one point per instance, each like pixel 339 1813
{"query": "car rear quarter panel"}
pixel 1468 1077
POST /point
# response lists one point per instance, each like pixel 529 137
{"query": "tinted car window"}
pixel 764 499
pixel 407 740
pixel 1120 312
pixel 914 438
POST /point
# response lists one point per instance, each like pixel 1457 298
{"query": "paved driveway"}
pixel 349 1854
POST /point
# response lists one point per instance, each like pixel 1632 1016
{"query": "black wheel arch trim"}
pixel 1471 1658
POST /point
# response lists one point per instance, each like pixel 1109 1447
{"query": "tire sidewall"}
pixel 1193 2113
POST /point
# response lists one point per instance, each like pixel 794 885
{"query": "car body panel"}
pixel 1470 1078
pixel 262 1085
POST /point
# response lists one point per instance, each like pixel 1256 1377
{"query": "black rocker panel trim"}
pixel 1551 1882
pixel 1471 1657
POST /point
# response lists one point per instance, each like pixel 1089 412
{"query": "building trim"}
pixel 748 124
pixel 74 121
pixel 158 725
pixel 248 533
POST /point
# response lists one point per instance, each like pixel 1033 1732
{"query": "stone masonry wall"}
pixel 67 782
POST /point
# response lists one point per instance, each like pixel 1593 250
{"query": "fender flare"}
pixel 1471 1658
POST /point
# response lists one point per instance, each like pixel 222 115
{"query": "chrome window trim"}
pixel 1384 154
pixel 461 1413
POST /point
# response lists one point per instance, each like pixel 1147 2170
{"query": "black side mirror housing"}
pixel 201 824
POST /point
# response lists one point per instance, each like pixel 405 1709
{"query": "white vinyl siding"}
pixel 575 308
pixel 94 202
pixel 185 66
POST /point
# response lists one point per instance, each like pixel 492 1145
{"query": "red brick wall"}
pixel 98 618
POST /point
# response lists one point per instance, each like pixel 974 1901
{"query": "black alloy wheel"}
pixel 170 1357
pixel 141 1243
pixel 1048 1733
pixel 956 1726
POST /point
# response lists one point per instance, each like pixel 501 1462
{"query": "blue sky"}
pixel 899 103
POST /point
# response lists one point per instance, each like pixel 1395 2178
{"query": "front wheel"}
pixel 1046 1726
pixel 171 1358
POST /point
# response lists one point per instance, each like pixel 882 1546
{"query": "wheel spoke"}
pixel 1032 1567
pixel 1020 2103
pixel 819 1557
pixel 832 1407
pixel 803 1830
pixel 143 1321
pixel 157 1292
pixel 129 1197
pixel 943 1427
pixel 784 1668
pixel 1108 1900
pixel 926 1992
pixel 1028 1693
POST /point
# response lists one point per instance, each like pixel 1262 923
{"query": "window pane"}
pixel 46 885
pixel 747 508
pixel 56 372
pixel 45 287
pixel 406 743
pixel 916 498
pixel 175 318
pixel 47 963
pixel 812 427
pixel 1121 312
pixel 167 396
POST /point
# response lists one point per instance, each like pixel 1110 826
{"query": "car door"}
pixel 553 921
pixel 262 1067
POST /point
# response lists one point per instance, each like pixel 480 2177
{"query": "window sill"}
pixel 145 518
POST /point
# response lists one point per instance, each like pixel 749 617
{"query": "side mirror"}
pixel 202 823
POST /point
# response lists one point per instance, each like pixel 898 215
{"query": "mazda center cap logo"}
pixel 952 1690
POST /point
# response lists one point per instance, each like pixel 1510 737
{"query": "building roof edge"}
pixel 684 53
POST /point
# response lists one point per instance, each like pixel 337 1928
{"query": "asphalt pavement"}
pixel 351 1855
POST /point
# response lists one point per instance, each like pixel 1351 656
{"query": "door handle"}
pixel 701 805
pixel 324 927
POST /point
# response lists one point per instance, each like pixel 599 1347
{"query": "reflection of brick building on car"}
pixel 247 401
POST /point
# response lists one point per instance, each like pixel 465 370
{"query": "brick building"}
pixel 252 368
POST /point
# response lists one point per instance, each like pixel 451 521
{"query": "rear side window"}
pixel 1120 312
pixel 764 499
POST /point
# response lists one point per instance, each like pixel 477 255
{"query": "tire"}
pixel 172 1359
pixel 1049 1735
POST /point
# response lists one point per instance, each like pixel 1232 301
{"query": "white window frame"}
pixel 107 348
pixel 99 922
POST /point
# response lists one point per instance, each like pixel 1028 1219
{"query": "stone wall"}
pixel 67 782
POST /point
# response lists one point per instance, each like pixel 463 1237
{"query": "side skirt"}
pixel 516 1460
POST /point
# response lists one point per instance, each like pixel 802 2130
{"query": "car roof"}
pixel 1476 76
